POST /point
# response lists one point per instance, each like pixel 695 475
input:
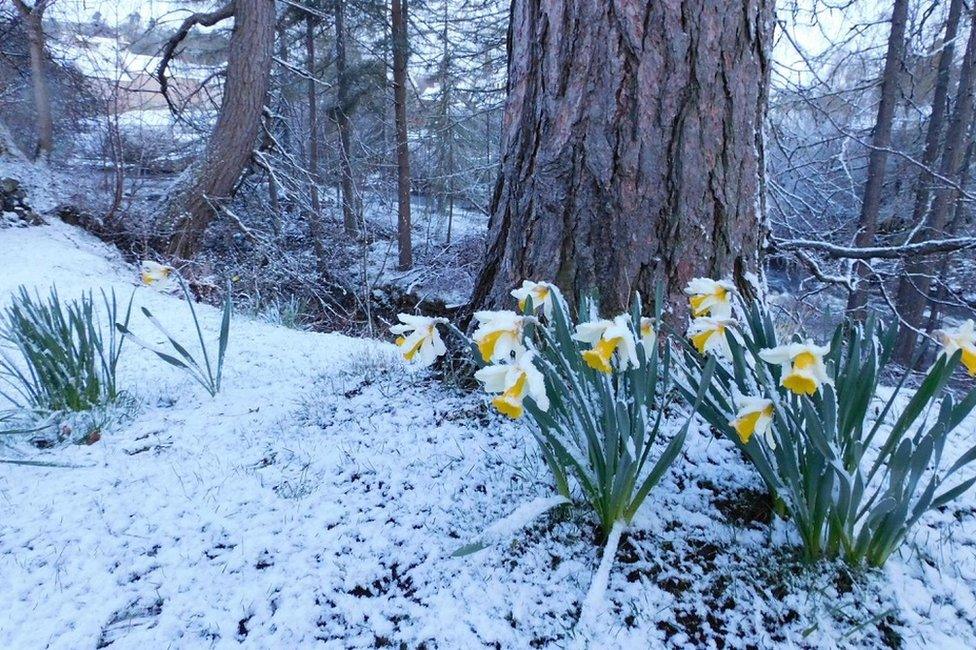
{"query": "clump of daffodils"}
pixel 853 476
pixel 591 391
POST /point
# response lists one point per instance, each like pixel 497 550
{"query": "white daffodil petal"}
pixel 492 377
pixel 592 331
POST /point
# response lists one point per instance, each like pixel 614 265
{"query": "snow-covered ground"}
pixel 316 501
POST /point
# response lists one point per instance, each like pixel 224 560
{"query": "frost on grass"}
pixel 318 497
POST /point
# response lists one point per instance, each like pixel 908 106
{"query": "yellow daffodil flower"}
pixel 154 273
pixel 514 380
pixel 961 338
pixel 755 417
pixel 707 334
pixel 611 339
pixel 803 366
pixel 541 293
pixel 710 297
pixel 499 334
pixel 418 338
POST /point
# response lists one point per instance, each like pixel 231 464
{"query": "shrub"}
pixel 69 363
pixel 853 467
pixel 206 372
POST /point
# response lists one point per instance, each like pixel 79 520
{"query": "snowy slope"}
pixel 316 500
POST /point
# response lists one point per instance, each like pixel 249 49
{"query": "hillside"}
pixel 319 495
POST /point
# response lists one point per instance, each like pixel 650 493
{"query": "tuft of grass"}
pixel 290 312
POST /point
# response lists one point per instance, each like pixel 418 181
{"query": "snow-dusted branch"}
pixel 929 247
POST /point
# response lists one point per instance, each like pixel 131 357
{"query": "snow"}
pixel 46 189
pixel 318 498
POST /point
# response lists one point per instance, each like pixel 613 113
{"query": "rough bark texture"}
pixel 399 37
pixel 32 17
pixel 916 281
pixel 632 147
pixel 878 159
pixel 236 131
pixel 350 207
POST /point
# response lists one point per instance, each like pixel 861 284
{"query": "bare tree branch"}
pixel 169 50
pixel 879 252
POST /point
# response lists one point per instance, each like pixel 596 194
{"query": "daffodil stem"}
pixel 594 601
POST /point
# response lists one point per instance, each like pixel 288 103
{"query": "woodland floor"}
pixel 318 497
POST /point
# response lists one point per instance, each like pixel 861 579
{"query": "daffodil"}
pixel 803 366
pixel 707 334
pixel 499 334
pixel 755 417
pixel 710 297
pixel 418 338
pixel 961 338
pixel 154 273
pixel 541 294
pixel 647 335
pixel 515 380
pixel 610 339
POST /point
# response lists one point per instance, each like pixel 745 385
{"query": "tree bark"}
pixel 229 149
pixel 399 37
pixel 878 158
pixel 315 218
pixel 940 106
pixel 916 281
pixel 350 207
pixel 447 129
pixel 632 151
pixel 958 216
pixel 33 17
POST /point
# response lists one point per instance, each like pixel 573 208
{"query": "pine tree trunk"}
pixel 228 151
pixel 940 106
pixel 632 149
pixel 33 18
pixel 350 208
pixel 916 281
pixel 399 36
pixel 315 217
pixel 948 260
pixel 878 158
